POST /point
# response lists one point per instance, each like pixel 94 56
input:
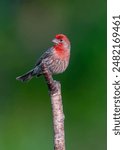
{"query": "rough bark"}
pixel 57 109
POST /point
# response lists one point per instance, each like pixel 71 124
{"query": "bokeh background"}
pixel 26 30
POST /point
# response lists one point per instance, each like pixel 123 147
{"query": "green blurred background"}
pixel 26 30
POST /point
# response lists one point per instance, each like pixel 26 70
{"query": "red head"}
pixel 62 41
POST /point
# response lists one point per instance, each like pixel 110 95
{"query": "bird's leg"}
pixel 52 84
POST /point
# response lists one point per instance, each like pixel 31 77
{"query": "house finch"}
pixel 55 58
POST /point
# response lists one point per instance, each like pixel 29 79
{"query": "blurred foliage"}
pixel 26 30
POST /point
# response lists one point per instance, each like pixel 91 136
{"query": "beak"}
pixel 55 41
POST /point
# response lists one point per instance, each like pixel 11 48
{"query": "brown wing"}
pixel 46 54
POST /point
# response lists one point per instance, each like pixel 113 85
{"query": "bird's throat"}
pixel 61 51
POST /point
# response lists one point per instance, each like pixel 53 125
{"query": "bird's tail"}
pixel 26 76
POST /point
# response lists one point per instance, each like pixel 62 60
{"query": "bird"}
pixel 56 58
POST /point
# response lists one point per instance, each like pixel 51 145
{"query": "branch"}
pixel 57 109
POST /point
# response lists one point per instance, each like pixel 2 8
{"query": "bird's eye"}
pixel 61 40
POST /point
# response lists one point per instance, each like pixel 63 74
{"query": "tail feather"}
pixel 26 76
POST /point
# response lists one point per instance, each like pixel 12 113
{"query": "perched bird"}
pixel 55 58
